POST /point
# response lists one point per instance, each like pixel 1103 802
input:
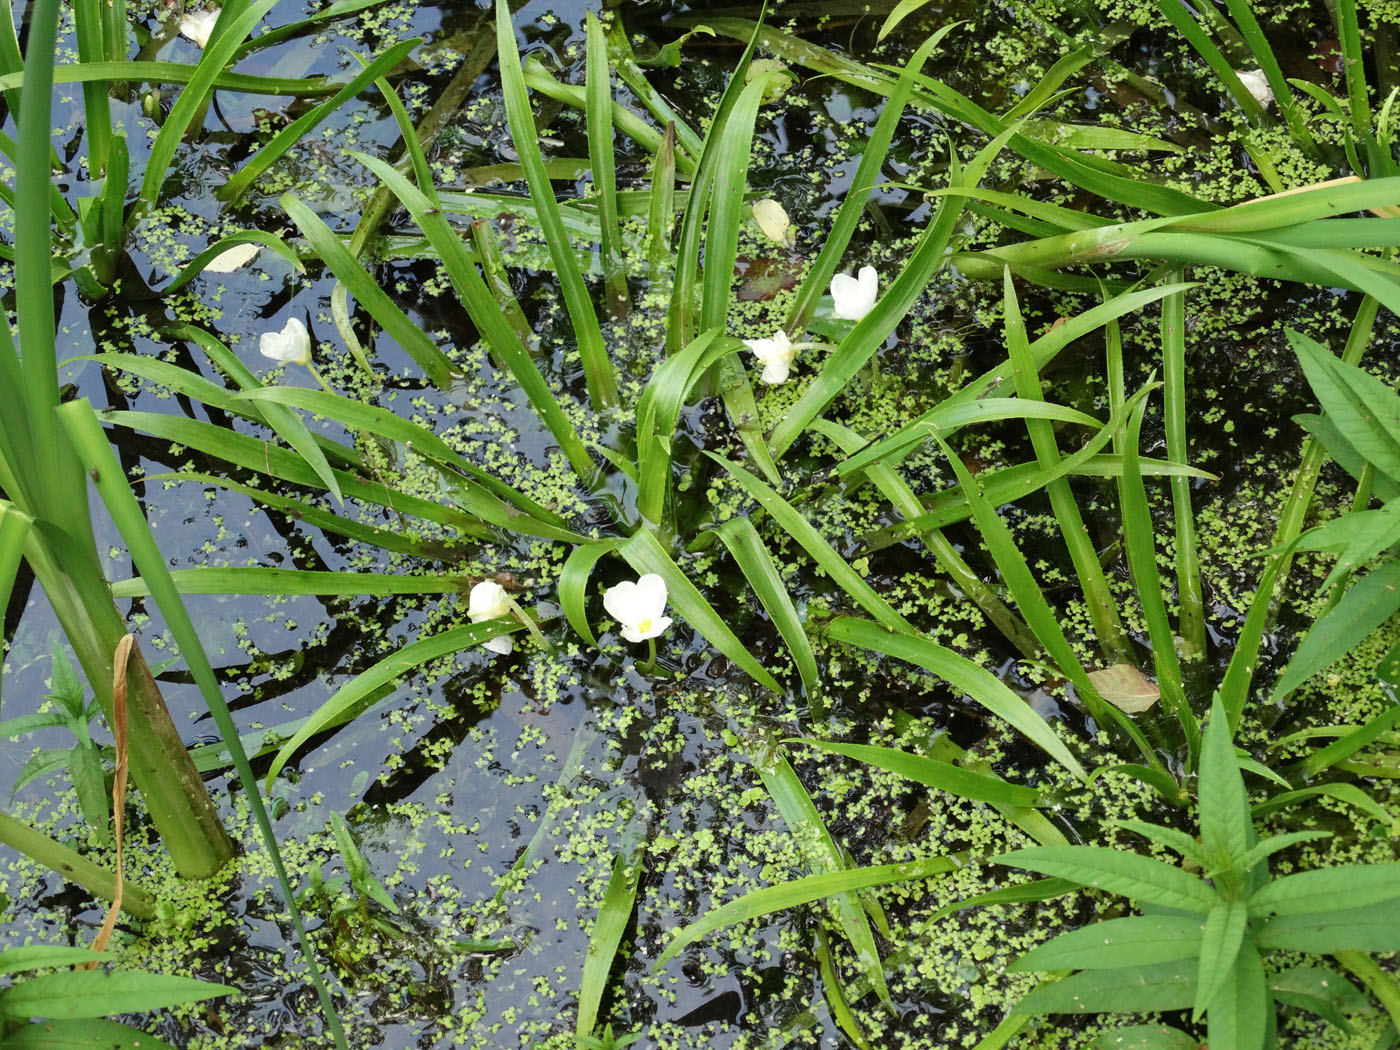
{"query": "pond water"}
pixel 491 794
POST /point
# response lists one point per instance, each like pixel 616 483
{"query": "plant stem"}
pixel 1380 983
pixel 75 868
pixel 650 665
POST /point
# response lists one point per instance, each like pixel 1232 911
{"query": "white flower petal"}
pixel 775 355
pixel 1257 84
pixel 291 346
pixel 197 25
pixel 502 643
pixel 487 601
pixel 854 297
pixel 775 372
pixel 231 259
pixel 651 590
pixel 620 601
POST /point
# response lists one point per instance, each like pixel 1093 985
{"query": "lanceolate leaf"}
pixel 1358 885
pixel 82 1035
pixel 1140 989
pixel 97 993
pixel 1368 929
pixel 1140 940
pixel 942 776
pixel 1145 1037
pixel 1219 948
pixel 1369 602
pixel 1365 409
pixel 1241 1013
pixel 1113 871
pixel 1224 809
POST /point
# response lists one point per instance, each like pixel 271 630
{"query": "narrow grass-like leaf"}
pixel 410 336
pixel 1103 610
pixel 949 557
pixel 1140 940
pixel 808 828
pixel 614 916
pixel 14 532
pixel 1370 602
pixel 1347 793
pixel 482 309
pixel 85 432
pixel 662 210
pixel 826 556
pixel 756 563
pixel 289 136
pixel 1353 67
pixel 645 554
pixel 597 368
pixel 43 956
pixel 1113 871
pixel 872 160
pixel 600 152
pixel 1346 746
pixel 192 100
pixel 365 686
pixel 962 674
pixel 1138 989
pixel 1191 624
pixel 758 903
pixel 941 776
pixel 257 580
pixel 1178 15
pixel 1142 559
pixel 573 585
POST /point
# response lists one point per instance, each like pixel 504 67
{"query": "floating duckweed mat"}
pixel 727 527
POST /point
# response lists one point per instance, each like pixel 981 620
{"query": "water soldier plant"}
pixel 1134 686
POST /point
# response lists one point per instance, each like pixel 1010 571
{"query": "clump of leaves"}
pixel 1200 941
pixel 85 760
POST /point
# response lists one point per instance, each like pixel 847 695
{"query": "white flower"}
pixel 291 346
pixel 773 221
pixel 488 601
pixel 232 258
pixel 197 25
pixel 1257 84
pixel 854 297
pixel 775 355
pixel 638 607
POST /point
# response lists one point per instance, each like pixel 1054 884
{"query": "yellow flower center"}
pixel 644 626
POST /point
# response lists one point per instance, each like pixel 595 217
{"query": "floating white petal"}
pixel 772 220
pixel 1257 84
pixel 854 297
pixel 488 601
pixel 775 355
pixel 238 256
pixel 638 607
pixel 197 25
pixel 291 346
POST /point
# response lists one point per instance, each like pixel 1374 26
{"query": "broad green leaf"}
pixel 1241 1013
pixel 1365 409
pixel 1140 940
pixel 1367 604
pixel 1364 929
pixel 89 1034
pixel 41 956
pixel 1113 871
pixel 758 903
pixel 97 993
pixel 1129 990
pixel 1145 1037
pixel 1219 949
pixel 942 776
pixel 645 554
pixel 1321 991
pixel 1358 885
pixel 1348 793
pixel 962 674
pixel 1222 805
pixel 89 781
